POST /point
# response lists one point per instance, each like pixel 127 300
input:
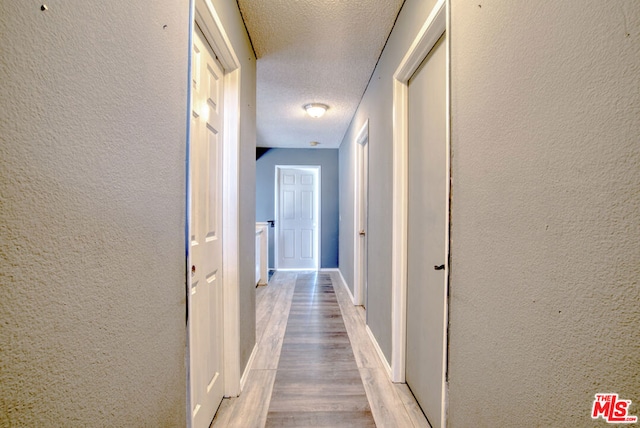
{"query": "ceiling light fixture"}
pixel 313 143
pixel 316 109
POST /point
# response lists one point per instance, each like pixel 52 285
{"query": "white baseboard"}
pixel 344 283
pixel 383 359
pixel 247 369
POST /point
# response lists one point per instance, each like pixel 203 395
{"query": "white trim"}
pixel 317 169
pixel 263 253
pixel 374 342
pixel 447 230
pixel 247 369
pixel 319 228
pixel 231 231
pixel 431 31
pixel 209 22
pixel 376 346
pixel 399 234
pixel 434 26
pixel 344 283
pixel 362 139
pixel 187 228
pixel 363 135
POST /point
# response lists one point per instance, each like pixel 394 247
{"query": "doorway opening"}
pixel 297 228
pixel 435 262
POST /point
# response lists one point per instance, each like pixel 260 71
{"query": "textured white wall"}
pixel 346 206
pixel 545 300
pixel 92 302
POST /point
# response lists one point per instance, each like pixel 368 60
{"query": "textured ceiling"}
pixel 313 51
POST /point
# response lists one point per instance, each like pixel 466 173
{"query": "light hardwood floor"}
pixel 267 399
pixel 317 382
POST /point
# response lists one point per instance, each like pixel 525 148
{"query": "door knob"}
pixel 441 267
pixel 362 233
pixel 193 269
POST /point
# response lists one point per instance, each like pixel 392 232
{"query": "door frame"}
pixel 362 144
pixel 203 13
pixel 436 24
pixel 276 234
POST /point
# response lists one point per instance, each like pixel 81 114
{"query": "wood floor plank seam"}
pixel 317 381
pixel 279 308
pixel 393 405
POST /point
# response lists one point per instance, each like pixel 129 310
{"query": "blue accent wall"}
pixel 265 195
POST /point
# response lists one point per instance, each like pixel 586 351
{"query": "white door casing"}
pixel 433 28
pixel 206 237
pixel 361 197
pixel 297 244
pixel 205 16
pixel 426 218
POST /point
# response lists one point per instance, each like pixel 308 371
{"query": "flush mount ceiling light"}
pixel 316 109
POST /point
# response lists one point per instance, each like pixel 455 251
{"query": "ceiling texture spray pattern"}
pixel 313 51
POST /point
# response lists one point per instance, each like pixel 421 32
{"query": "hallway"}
pixel 315 364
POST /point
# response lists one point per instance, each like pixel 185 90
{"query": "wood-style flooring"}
pixel 315 365
pixel 317 382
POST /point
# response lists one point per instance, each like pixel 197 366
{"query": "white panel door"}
pixel 361 221
pixel 427 219
pixel 298 212
pixel 205 297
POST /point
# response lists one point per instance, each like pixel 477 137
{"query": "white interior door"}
pixel 298 220
pixel 427 219
pixel 361 216
pixel 364 220
pixel 205 296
